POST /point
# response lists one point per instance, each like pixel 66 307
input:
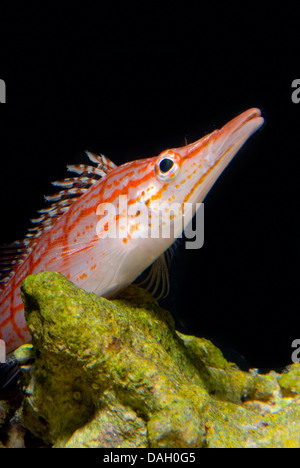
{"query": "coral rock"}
pixel 115 373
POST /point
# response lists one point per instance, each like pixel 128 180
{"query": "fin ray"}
pixel 157 277
pixel 12 254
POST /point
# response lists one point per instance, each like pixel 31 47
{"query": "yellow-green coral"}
pixel 290 382
pixel 89 348
pixel 117 374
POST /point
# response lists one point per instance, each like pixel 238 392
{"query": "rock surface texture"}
pixel 115 373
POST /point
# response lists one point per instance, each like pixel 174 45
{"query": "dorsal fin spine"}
pixel 12 254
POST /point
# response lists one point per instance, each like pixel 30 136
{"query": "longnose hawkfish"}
pixel 66 236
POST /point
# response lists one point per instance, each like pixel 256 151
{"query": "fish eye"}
pixel 165 165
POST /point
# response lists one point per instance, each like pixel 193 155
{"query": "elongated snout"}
pixel 212 153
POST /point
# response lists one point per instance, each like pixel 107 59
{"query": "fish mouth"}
pixel 217 149
pixel 242 119
pixel 226 142
pixel 222 145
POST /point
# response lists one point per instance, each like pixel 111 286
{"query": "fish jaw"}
pixel 207 158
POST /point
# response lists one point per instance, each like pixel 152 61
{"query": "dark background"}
pixel 130 83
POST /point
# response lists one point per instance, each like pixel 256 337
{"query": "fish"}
pixel 73 235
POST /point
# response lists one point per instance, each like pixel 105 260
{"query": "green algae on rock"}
pixel 98 361
pixel 290 381
pixel 116 373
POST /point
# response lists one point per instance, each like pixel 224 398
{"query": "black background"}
pixel 131 82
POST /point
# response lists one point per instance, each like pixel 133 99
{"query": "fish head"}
pixel 161 187
pixel 188 173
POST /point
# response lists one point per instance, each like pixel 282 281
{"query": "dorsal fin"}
pixel 10 254
pixel 72 188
